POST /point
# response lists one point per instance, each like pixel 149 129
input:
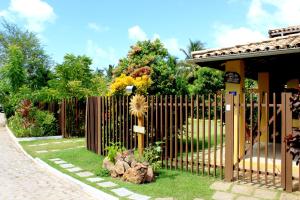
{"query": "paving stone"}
pixel 95 179
pixel 242 189
pixel 264 193
pixel 221 186
pixel 122 192
pixel 54 150
pixel 166 198
pixel 22 179
pixel 107 184
pixel 66 165
pixel 138 197
pixel 223 196
pixel 246 198
pixel 42 151
pixel 74 169
pixel 60 162
pixel 198 199
pixel 85 174
pixel 55 159
pixel 32 145
pixel 289 196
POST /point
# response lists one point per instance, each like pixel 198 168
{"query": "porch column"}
pixel 263 89
pixel 237 90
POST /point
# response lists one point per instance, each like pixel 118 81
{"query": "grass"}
pixel 170 183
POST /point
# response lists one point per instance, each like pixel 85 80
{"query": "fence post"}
pixel 286 157
pixel 229 134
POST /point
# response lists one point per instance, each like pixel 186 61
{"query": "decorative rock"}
pixel 149 175
pixel 126 166
pixel 107 164
pixel 119 167
pixel 136 174
pixel 113 173
pixel 133 164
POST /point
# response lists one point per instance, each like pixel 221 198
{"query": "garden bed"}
pixel 170 183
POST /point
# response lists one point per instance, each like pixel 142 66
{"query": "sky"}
pixel 105 30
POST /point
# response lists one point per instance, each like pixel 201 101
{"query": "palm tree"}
pixel 196 45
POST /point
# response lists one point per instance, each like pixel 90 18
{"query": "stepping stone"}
pixel 122 192
pixel 247 198
pixel 56 142
pixel 85 174
pixel 223 196
pixel 107 184
pixel 54 150
pixel 42 151
pixel 138 197
pixel 165 198
pixel 60 162
pixel 55 159
pixel 32 145
pixel 242 189
pixel 220 185
pixel 66 165
pixel 95 179
pixel 74 169
pixel 266 194
pixel 43 144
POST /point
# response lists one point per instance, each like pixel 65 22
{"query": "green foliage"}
pixel 113 149
pixel 103 173
pixel 152 156
pixel 30 121
pixel 196 45
pixel 208 81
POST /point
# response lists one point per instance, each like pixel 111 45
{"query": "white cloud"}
pixel 227 36
pixel 35 13
pixel 98 28
pixel 137 34
pixel 173 46
pixel 101 57
pixel 274 13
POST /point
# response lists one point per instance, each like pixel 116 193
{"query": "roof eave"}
pixel 244 55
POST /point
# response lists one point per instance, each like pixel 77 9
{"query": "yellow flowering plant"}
pixel 119 84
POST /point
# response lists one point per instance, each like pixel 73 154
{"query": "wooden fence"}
pixel 197 138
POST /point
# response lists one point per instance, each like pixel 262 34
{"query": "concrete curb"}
pixel 93 192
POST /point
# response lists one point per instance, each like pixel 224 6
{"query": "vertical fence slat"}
pixel 221 137
pixel 166 131
pixel 267 136
pixel 152 117
pixel 244 108
pixel 274 135
pixel 258 136
pixel 238 136
pixel 161 127
pixel 229 140
pixel 171 131
pixel 156 119
pixel 215 134
pixel 197 143
pixel 181 133
pixel 251 134
pixel 187 133
pixel 192 133
pixel 209 133
pixel 176 132
pixel 203 134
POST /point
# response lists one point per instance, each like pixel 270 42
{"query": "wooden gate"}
pixel 260 156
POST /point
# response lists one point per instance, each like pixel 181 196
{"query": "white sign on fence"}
pixel 139 129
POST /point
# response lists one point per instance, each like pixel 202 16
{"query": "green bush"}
pixel 113 149
pixel 42 123
pixel 152 156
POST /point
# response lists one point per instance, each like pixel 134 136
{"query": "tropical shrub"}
pixel 152 155
pixel 113 150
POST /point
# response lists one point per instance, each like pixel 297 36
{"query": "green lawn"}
pixel 170 183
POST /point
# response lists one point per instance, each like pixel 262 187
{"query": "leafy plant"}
pixel 152 155
pixel 293 139
pixel 113 150
pixel 103 173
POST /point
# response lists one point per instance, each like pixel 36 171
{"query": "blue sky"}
pixel 104 30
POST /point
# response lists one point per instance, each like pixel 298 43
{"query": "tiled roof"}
pixel 284 31
pixel 277 43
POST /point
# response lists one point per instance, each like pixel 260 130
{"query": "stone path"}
pixel 247 191
pixel 23 179
pixel 118 191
